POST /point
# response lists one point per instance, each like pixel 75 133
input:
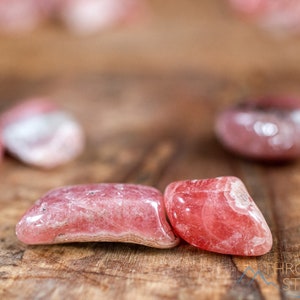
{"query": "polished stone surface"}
pixel 41 134
pixel 217 215
pixel 264 129
pixel 98 212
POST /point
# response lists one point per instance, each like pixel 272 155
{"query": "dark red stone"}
pixel 217 215
pixel 264 129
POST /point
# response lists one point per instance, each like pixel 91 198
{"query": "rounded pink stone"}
pixel 217 215
pixel 20 15
pixel 41 134
pixel 90 16
pixel 98 212
pixel 266 129
pixel 280 15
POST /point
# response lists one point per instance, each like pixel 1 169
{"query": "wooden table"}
pixel 147 96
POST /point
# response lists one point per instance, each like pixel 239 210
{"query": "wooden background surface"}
pixel 147 96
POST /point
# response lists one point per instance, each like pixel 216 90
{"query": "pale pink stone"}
pixel 249 6
pixel 39 133
pixel 90 16
pixel 217 215
pixel 98 212
pixel 278 15
pixel 20 15
pixel 265 129
pixel 81 16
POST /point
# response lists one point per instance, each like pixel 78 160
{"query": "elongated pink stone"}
pixel 98 212
pixel 41 134
pixel 265 129
pixel 217 215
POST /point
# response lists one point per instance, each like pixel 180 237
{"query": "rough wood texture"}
pixel 147 97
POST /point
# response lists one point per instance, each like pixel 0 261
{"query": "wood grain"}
pixel 150 120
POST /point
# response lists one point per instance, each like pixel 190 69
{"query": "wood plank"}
pixel 147 97
pixel 150 130
pixel 178 35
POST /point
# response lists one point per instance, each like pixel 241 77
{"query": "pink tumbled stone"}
pixel 20 15
pixel 217 215
pixel 280 15
pixel 41 134
pixel 90 16
pixel 98 212
pixel 266 129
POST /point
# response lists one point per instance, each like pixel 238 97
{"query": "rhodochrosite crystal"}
pixel 20 15
pixel 89 16
pixel 217 215
pixel 266 129
pixel 41 134
pixel 81 16
pixel 278 15
pixel 98 212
